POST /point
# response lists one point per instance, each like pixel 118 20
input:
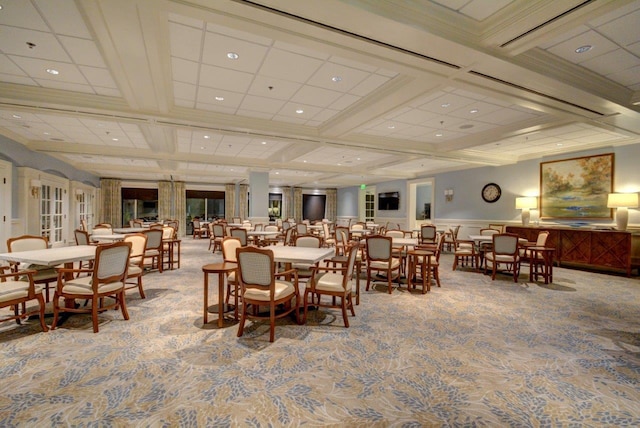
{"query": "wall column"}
pixel 259 196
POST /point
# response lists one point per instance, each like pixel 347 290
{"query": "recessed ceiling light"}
pixel 473 111
pixel 357 158
pixel 336 78
pixel 232 55
pixel 219 98
pixel 206 137
pixel 583 49
pixel 114 139
pixel 264 142
pixel 439 134
pixel 559 144
pixel 53 71
pixel 445 105
pixel 304 161
pixel 277 173
pixel 201 147
pixel 299 111
pixel 391 127
pixel 45 133
pixel 16 116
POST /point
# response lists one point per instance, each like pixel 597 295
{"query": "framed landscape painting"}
pixel 576 188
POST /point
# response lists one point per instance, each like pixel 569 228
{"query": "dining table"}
pixel 113 237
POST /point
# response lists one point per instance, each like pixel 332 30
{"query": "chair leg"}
pixel 41 312
pixel 343 305
pixel 123 305
pixel 56 310
pixel 140 289
pixel 272 322
pixel 243 317
pixel 94 314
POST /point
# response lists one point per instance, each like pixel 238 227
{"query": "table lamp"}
pixel 622 201
pixel 525 203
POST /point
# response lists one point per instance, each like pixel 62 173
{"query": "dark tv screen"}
pixel 389 201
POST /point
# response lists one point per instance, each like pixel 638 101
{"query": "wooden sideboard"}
pixel 593 249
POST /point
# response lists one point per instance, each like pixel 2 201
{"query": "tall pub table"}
pixel 222 269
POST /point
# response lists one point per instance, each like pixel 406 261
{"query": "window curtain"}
pixel 229 201
pixel 244 205
pixel 287 203
pixel 331 211
pixel 111 201
pixel 180 206
pixel 165 200
pixel 297 204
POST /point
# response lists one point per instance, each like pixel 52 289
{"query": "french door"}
pixel 52 214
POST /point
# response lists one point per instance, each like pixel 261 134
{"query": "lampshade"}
pixel 622 200
pixel 526 202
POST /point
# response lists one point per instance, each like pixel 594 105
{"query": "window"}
pixel 370 207
pixel 51 213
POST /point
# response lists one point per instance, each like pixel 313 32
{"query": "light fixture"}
pixel 622 201
pixel 336 79
pixel 299 111
pixel 79 195
pixel 635 98
pixel 35 188
pixel 219 98
pixel 448 195
pixel 53 71
pixel 473 111
pixel 525 203
pixel 232 55
pixel 583 49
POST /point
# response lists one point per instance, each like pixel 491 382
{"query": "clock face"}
pixel 491 192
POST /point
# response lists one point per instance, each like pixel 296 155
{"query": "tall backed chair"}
pixel 305 271
pixel 379 253
pixel 136 261
pixel 43 274
pixel 450 237
pixel 108 279
pixel 154 251
pixel 241 234
pixel 216 236
pixel 327 239
pixel 259 287
pixel 428 234
pixel 198 230
pixel 229 245
pixel 82 238
pixel 301 228
pixel 504 254
pixel 465 253
pixel 15 293
pixel 333 282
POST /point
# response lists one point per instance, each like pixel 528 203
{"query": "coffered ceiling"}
pixel 327 93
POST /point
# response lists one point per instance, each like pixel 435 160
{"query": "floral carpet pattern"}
pixel 472 353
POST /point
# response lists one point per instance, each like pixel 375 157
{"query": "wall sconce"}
pixel 448 195
pixel 35 188
pixel 526 203
pixel 79 195
pixel 622 201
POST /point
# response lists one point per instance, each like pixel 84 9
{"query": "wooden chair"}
pixel 15 293
pixel 198 230
pixel 259 287
pixel 138 223
pixel 327 239
pixel 305 271
pixel 135 271
pixel 334 282
pixel 228 246
pixel 428 234
pixel 504 252
pixel 450 237
pixel 43 274
pixel 241 234
pixel 82 238
pixel 107 279
pixel 154 251
pixel 301 229
pixel 379 254
pixel 399 251
pixel 83 225
pixel 465 253
pixel 216 236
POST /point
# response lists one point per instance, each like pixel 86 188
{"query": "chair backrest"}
pixel 279 222
pixel 236 220
pixel 288 236
pixel 102 231
pixel 218 230
pixel 83 225
pixel 542 238
pixel 455 231
pixel 286 225
pixel 308 241
pixel 379 248
pixel 342 235
pixel 489 231
pixel 82 237
pixel 301 228
pixel 168 232
pixel 498 227
pixel 27 243
pixel 154 238
pixel 325 231
pixel 505 244
pixel 138 223
pixel 256 268
pixel 358 226
pixel 196 224
pixel 138 245
pixel 427 233
pixel 271 228
pixel 174 224
pixel 229 246
pixel 240 233
pixel 111 263
pixel 395 233
pixel 258 227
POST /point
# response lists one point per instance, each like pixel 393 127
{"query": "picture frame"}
pixel 577 188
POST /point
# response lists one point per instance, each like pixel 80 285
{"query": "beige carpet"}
pixel 475 352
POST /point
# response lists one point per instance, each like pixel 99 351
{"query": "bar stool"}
pixel 541 263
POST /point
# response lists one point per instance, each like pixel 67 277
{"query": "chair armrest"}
pixel 28 272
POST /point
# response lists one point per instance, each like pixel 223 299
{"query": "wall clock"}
pixel 491 192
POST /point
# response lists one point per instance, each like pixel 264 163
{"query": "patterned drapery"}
pixel 331 210
pixel 287 203
pixel 180 210
pixel 297 203
pixel 165 200
pixel 172 203
pixel 244 199
pixel 111 201
pixel 229 201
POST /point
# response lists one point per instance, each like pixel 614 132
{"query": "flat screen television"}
pixel 389 201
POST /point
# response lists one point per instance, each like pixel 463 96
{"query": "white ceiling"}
pixel 329 93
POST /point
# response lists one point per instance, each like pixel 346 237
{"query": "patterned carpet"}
pixel 473 353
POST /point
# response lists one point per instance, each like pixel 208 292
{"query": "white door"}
pixel 5 204
pixel 52 214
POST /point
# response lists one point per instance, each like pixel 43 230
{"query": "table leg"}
pixel 221 299
pixel 206 297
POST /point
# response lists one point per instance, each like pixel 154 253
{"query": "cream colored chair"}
pixel 379 254
pixel 504 255
pixel 136 260
pixel 108 279
pixel 15 293
pixel 43 274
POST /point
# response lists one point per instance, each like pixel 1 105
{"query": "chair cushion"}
pixel 83 285
pixel 330 282
pixel 134 270
pixel 384 265
pixel 232 277
pixel 283 289
pixel 11 290
pixel 500 258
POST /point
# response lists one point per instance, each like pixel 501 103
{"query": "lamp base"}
pixel 622 218
pixel 526 215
